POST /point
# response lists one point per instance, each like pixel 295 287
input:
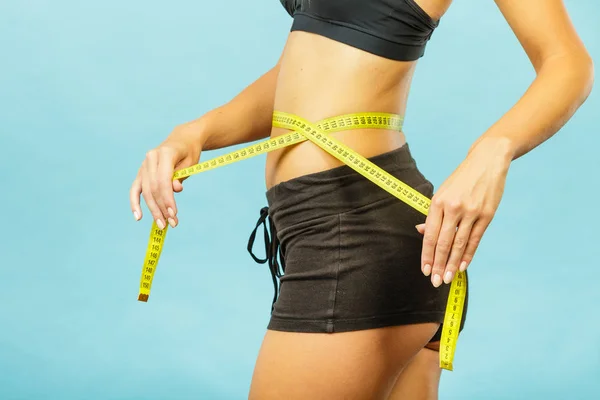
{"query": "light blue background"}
pixel 86 88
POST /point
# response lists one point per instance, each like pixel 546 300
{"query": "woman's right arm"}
pixel 247 117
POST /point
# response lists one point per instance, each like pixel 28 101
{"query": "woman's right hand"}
pixel 155 177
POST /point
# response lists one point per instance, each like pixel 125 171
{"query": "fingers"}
pixel 165 195
pixel 446 248
pixel 461 238
pixel 155 182
pixel 444 245
pixel 433 223
pixel 155 178
pixel 134 197
pixel 474 239
pixel 178 184
pixel 150 187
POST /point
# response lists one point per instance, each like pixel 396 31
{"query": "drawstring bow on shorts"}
pixel 272 249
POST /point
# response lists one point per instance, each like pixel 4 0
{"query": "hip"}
pixel 341 192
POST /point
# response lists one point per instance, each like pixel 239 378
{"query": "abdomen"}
pixel 321 78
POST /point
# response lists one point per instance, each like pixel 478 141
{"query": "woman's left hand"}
pixel 462 209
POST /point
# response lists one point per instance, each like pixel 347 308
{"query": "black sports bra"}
pixel 394 29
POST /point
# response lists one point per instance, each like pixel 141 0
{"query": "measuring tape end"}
pixel 446 366
pixel 143 297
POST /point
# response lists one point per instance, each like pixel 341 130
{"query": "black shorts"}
pixel 347 253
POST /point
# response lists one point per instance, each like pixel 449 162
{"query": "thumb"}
pixel 420 228
pixel 183 163
pixel 177 185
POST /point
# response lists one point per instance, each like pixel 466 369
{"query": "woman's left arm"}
pixel 466 202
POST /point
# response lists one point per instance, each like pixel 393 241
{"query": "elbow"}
pixel 575 65
pixel 589 74
pixel 576 68
pixel 581 72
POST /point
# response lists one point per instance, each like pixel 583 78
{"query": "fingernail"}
pixel 171 212
pixel 171 222
pixel 136 215
pixel 448 277
pixel 437 280
pixel 463 266
pixel 427 270
pixel 160 224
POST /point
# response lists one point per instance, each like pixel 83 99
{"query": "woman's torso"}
pixel 320 77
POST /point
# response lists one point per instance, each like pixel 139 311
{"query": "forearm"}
pixel 247 117
pixel 561 86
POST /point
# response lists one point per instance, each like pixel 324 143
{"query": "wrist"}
pixel 192 133
pixel 499 150
pixel 202 130
pixel 186 140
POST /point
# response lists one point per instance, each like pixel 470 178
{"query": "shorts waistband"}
pixel 338 189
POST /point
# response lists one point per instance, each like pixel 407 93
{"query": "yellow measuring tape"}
pixel 318 133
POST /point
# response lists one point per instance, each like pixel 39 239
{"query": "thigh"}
pixel 357 365
pixel 420 379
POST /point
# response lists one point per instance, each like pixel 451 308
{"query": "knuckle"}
pixel 454 206
pixel 166 149
pixel 150 154
pixel 135 185
pixel 438 202
pixel 443 245
pixel 159 202
pixel 471 209
pixel 179 128
pixel 475 240
pixel 429 239
pixel 460 243
pixel 487 213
